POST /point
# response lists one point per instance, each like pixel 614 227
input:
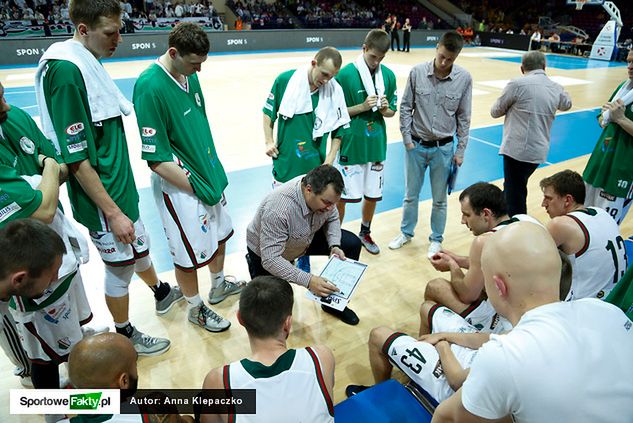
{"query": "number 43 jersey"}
pixel 601 262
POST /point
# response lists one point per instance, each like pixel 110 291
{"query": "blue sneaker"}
pixel 303 263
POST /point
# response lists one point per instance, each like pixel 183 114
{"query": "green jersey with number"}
pixel 103 144
pixel 367 140
pixel 173 122
pixel 21 142
pixel 610 165
pixel 298 152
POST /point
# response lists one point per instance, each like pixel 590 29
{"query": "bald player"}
pixel 539 371
pixel 108 361
pixel 484 212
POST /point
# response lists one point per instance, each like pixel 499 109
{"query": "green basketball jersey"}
pixel 103 144
pixel 609 166
pixel 367 140
pixel 298 152
pixel 622 294
pixel 21 142
pixel 173 121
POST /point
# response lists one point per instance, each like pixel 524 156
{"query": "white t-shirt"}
pixel 563 362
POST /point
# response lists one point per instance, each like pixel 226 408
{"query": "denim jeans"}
pixel 438 159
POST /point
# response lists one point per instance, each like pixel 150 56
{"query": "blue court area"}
pixel 573 135
pixel 568 62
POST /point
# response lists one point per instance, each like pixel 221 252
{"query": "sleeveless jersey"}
pixel 290 390
pixel 601 262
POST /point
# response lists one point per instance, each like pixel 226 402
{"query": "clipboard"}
pixel 346 275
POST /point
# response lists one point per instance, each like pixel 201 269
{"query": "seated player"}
pixel 289 382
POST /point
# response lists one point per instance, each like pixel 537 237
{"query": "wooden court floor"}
pixel 391 291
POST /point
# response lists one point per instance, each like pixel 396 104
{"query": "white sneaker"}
pixel 399 241
pixel 434 248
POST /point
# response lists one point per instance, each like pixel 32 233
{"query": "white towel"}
pixel 625 93
pixel 331 112
pixel 365 76
pixel 104 97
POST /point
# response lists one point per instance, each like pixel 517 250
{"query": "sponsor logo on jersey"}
pixel 75 128
pixel 198 101
pixel 607 196
pixel 27 145
pixel 438 371
pixel 317 123
pixel 64 343
pixel 148 132
pixel 271 96
pixel 146 148
pixel 8 211
pixel 77 147
pixel 187 111
pixel 495 321
pixel 268 107
pixel 628 325
pixel 97 235
pixel 204 222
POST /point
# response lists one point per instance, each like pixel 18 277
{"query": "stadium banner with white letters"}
pixel 27 51
pixel 64 401
pixel 509 41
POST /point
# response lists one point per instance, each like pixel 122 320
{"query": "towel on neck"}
pixel 368 83
pixel 331 112
pixel 625 93
pixel 104 97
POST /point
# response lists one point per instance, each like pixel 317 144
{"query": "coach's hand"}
pixel 336 251
pixel 122 228
pixel 321 287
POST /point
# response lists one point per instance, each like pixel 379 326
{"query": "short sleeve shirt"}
pixel 103 144
pixel 298 152
pixel 172 121
pixel 367 140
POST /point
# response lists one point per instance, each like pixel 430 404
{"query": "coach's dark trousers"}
pixel 516 175
pixel 350 244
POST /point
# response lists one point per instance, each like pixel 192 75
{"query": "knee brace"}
pixel 142 264
pixel 117 280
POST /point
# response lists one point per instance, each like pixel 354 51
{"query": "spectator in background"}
pixel 406 34
pixel 395 25
pixel 535 40
pixel 423 24
pixel 554 41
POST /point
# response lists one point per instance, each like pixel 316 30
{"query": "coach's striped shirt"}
pixel 283 229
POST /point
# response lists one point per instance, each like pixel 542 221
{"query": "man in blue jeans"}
pixel 435 106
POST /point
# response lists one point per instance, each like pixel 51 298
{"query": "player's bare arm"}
pixel 213 380
pixel 173 174
pixel 271 145
pixel 454 372
pixel 121 225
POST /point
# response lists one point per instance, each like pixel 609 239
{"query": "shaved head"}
pixel 522 269
pixel 105 360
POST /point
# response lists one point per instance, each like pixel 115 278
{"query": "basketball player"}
pixel 290 384
pixel 188 179
pixel 589 235
pixel 483 212
pixel 81 111
pixel 371 95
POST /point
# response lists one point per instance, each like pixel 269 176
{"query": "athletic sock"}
pixel 161 290
pixel 364 227
pixel 194 301
pixel 217 279
pixel 124 328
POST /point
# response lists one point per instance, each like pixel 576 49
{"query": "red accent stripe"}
pixel 373 198
pixel 321 380
pixel 389 341
pixel 183 236
pixel 585 233
pixel 470 308
pixel 430 316
pixel 86 320
pixel 47 349
pixel 351 200
pixel 138 255
pixel 120 263
pixel 227 388
pixel 222 241
pixel 145 418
